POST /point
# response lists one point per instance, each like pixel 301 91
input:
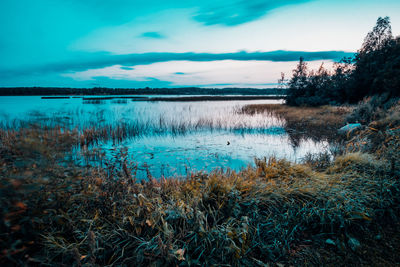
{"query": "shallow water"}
pixel 169 138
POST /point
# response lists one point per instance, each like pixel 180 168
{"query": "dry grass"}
pixel 325 116
pixel 316 122
pixel 381 136
pixel 55 212
pixel 98 127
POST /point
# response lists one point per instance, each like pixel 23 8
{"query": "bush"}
pixel 371 109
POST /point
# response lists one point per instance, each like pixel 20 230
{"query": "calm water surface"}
pixel 171 138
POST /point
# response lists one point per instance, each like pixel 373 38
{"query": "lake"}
pixel 165 138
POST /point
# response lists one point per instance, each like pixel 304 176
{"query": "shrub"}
pixel 371 109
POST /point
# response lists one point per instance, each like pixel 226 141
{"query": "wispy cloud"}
pixel 239 11
pixel 126 68
pixel 251 73
pixel 154 35
pixel 103 60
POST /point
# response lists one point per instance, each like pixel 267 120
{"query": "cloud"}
pixel 222 73
pixel 126 68
pixel 101 60
pixel 154 35
pixel 118 83
pixel 239 11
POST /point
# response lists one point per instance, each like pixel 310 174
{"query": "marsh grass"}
pixel 57 212
pixel 319 123
pixel 341 211
pixel 101 125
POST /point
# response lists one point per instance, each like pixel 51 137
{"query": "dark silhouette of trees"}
pixel 375 69
pixel 378 38
pixel 298 83
pixel 377 63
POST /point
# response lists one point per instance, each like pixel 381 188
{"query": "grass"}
pixel 316 122
pixel 54 212
pixel 329 117
pixel 101 126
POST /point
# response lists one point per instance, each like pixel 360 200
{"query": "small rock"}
pixel 349 127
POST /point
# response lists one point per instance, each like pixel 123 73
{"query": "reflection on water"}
pixel 166 138
pixel 169 156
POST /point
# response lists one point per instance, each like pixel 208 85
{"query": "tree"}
pixel 282 81
pixel 341 80
pixel 375 70
pixel 375 64
pixel 298 83
pixel 379 37
pixel 299 78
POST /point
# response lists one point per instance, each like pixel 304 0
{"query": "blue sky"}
pixel 129 43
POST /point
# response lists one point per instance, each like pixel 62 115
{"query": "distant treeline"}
pixel 374 70
pixel 8 91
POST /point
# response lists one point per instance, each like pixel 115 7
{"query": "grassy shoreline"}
pixel 319 122
pixel 211 98
pixel 344 213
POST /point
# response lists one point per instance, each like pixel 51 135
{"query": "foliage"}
pixel 382 136
pixel 375 69
pixel 377 64
pixel 321 87
pixel 370 109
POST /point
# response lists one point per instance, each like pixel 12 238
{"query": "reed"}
pixel 54 211
pixel 319 123
pixel 101 125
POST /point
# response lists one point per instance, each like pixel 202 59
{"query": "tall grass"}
pixel 318 123
pixel 101 125
pixel 56 212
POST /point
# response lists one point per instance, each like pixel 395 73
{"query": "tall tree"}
pixel 298 83
pixel 379 37
pixel 371 71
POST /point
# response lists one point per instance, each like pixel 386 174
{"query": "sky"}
pixel 155 43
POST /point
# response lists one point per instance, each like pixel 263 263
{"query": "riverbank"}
pixel 278 212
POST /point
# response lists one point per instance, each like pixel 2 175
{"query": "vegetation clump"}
pixel 319 123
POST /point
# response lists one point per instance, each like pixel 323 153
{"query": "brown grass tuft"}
pixel 316 122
